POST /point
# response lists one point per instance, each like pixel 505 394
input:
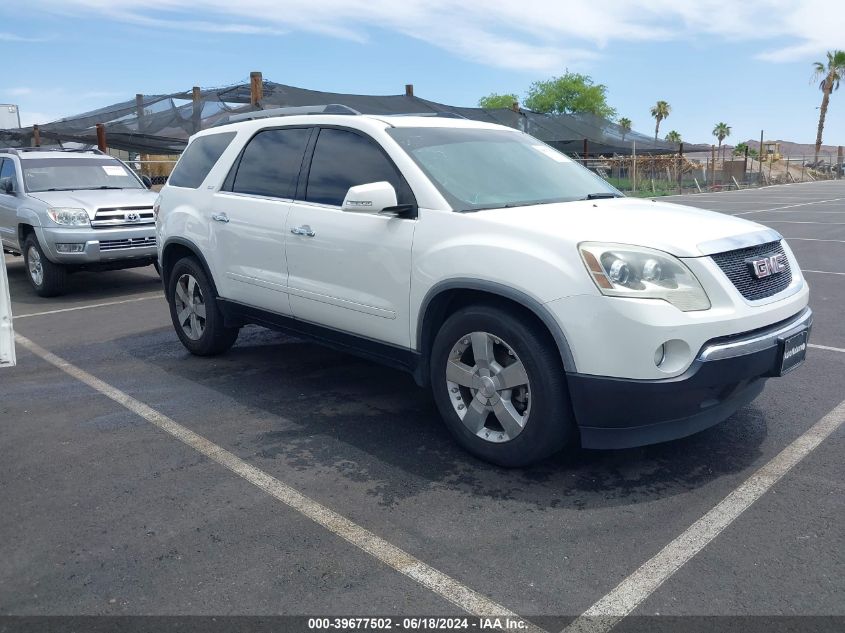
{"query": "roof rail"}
pixel 439 115
pixel 331 108
pixel 24 150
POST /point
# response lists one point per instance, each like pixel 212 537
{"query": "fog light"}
pixel 660 355
pixel 70 248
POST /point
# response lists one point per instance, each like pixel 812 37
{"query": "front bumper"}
pixel 727 374
pixel 101 246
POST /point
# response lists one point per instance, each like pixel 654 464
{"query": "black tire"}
pixel 53 277
pixel 550 425
pixel 215 337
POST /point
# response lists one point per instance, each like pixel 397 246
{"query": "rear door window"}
pixel 343 159
pixel 7 175
pixel 270 163
pixel 198 159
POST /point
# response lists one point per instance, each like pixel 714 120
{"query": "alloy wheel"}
pixel 488 387
pixel 36 268
pixel 190 307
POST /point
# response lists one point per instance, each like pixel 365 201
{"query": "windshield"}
pixel 75 173
pixel 487 169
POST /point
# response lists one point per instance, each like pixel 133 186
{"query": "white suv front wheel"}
pixel 500 387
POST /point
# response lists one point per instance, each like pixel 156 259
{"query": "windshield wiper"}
pixel 601 196
pixel 100 187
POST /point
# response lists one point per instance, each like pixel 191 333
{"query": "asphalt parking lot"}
pixel 109 510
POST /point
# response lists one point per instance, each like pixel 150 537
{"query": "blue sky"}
pixel 748 64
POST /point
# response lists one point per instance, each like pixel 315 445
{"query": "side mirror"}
pixel 7 186
pixel 148 182
pixel 373 197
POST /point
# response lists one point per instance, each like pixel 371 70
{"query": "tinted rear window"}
pixel 270 163
pixel 198 159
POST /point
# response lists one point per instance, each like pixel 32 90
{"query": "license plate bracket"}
pixel 793 351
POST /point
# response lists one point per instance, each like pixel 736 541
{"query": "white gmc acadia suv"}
pixel 543 308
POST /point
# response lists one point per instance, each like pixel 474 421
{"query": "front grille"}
pixel 117 245
pixel 123 216
pixel 735 265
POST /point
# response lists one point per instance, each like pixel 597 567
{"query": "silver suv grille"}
pixel 137 242
pixel 122 216
pixel 735 265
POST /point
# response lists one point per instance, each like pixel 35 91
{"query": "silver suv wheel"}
pixel 488 387
pixel 190 307
pixel 36 269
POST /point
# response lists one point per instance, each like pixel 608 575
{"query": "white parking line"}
pixel 799 222
pixel 458 594
pixel 827 347
pixel 631 592
pixel 822 272
pixel 790 206
pixel 157 295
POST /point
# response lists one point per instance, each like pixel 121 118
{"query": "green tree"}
pixel 830 74
pixel 721 132
pixel 625 124
pixel 739 150
pixel 571 93
pixel 673 137
pixel 660 111
pixel 495 100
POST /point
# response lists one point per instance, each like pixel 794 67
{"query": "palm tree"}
pixel 721 132
pixel 625 124
pixel 830 74
pixel 673 137
pixel 660 111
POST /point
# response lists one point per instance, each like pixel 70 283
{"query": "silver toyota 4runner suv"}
pixel 68 210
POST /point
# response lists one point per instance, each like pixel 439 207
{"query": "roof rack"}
pixel 439 115
pixel 25 150
pixel 331 108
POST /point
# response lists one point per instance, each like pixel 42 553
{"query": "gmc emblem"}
pixel 768 265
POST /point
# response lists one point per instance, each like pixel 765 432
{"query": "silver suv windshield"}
pixel 76 173
pixel 479 169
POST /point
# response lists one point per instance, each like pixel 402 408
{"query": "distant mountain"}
pixel 787 148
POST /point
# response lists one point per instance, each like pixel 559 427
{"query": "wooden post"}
pixel 196 114
pixel 409 90
pixel 680 168
pixel 586 150
pixel 839 162
pixel 745 166
pixel 713 168
pixel 101 138
pixel 256 88
pixel 760 153
pixel 633 175
pixel 36 136
pixel 139 111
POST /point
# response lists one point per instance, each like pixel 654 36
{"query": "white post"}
pixel 7 334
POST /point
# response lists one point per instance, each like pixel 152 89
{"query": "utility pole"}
pixel 36 135
pixel 760 155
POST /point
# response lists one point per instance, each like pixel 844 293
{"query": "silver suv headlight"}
pixel 620 270
pixel 69 217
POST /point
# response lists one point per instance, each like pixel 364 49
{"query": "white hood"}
pixel 680 230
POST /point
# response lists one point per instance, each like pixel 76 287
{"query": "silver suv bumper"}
pixel 93 246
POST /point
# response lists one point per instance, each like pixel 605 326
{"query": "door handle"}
pixel 303 230
pixel 220 217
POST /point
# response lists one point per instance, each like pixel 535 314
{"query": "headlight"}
pixel 69 217
pixel 632 271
